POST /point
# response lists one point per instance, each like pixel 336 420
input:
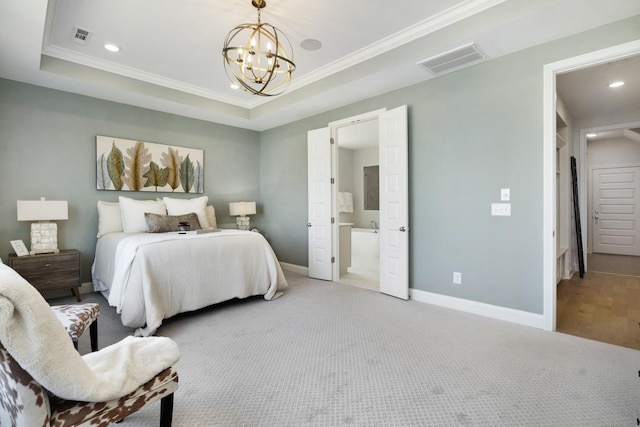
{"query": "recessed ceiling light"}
pixel 111 47
pixel 591 135
pixel 616 84
pixel 234 86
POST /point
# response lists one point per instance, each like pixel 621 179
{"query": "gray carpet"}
pixel 328 354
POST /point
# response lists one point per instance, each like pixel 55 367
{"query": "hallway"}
pixel 602 306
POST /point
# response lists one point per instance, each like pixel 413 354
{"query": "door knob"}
pixel 403 228
pixel 308 224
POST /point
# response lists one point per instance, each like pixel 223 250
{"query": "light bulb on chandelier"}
pixel 255 58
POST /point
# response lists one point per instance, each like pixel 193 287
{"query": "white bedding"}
pixel 149 277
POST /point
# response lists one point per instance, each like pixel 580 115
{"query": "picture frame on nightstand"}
pixel 19 247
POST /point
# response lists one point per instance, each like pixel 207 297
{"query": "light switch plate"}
pixel 505 194
pixel 501 209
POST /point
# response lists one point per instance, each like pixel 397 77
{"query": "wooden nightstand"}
pixel 50 271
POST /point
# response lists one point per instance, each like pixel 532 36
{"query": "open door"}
pixel 394 203
pixel 319 204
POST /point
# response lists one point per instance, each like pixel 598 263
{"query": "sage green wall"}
pixel 471 133
pixel 48 148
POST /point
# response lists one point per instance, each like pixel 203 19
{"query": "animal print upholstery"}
pixel 76 317
pixel 23 402
pixel 33 344
pixel 70 413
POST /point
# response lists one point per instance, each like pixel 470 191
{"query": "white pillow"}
pixel 109 218
pixel 185 206
pixel 133 213
pixel 211 216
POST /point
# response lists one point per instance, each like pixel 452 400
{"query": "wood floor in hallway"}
pixel 601 306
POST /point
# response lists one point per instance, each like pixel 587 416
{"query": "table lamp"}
pixel 241 210
pixel 44 234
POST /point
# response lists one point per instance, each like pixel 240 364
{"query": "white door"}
pixel 319 203
pixel 615 216
pixel 394 203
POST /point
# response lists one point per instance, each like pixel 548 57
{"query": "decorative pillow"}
pixel 109 218
pixel 163 223
pixel 185 206
pixel 133 213
pixel 211 216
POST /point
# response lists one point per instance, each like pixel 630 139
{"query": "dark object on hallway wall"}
pixel 576 215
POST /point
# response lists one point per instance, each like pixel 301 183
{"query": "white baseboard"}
pixel 86 287
pixel 496 312
pixel 295 268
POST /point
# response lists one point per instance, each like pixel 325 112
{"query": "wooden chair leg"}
pixel 166 410
pixel 93 334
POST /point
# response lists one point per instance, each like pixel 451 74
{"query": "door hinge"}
pixel 332 141
pixel 333 260
pixel 333 181
pixel 333 220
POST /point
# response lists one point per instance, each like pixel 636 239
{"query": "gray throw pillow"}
pixel 164 223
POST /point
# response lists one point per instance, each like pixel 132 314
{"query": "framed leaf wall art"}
pixel 128 165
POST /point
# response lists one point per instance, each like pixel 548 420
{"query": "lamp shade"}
pixel 42 210
pixel 242 208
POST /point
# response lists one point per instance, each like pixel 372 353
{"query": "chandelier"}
pixel 255 59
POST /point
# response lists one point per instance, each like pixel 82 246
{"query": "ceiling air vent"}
pixel 453 59
pixel 80 36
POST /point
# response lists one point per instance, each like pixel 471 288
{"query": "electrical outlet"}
pixel 457 278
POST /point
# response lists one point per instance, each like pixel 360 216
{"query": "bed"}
pixel 151 276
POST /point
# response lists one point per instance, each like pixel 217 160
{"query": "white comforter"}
pixel 149 277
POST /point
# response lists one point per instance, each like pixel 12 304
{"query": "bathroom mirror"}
pixel 371 188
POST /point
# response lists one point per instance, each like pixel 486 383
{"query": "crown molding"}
pixel 409 34
pixel 134 73
pixel 421 29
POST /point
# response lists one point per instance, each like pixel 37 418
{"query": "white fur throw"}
pixel 36 339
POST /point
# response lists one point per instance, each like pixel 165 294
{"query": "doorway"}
pixel 601 305
pixel 613 150
pixel 603 57
pixel 357 180
pixel 323 198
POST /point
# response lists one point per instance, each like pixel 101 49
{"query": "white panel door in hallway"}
pixel 616 213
